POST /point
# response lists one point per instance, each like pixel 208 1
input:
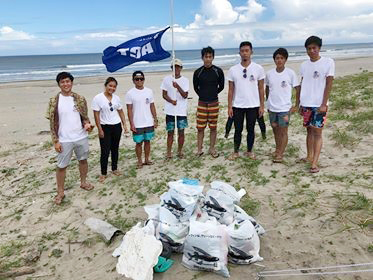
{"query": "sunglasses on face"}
pixel 111 106
pixel 139 79
pixel 244 73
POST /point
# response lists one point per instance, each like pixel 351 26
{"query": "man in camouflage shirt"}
pixel 69 126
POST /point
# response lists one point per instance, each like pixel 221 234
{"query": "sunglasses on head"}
pixel 111 106
pixel 139 79
pixel 244 73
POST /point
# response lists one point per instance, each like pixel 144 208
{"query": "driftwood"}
pixel 18 272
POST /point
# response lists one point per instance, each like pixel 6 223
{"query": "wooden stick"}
pixel 19 272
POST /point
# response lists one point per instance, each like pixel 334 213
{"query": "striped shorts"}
pixel 207 112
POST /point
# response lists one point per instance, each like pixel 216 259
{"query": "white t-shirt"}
pixel 246 93
pixel 280 88
pixel 70 125
pixel 181 107
pixel 141 100
pixel 314 80
pixel 101 104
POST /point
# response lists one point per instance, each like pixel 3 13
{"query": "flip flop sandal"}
pixel 251 156
pixel 87 187
pixel 233 157
pixel 314 169
pixel 58 199
pixel 102 178
pixel 180 156
pixel 277 160
pixel 116 173
pixel 214 154
pixel 149 163
pixel 200 154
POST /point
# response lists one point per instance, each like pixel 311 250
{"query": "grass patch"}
pixel 250 205
pixel 343 138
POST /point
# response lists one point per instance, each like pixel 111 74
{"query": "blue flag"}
pixel 146 48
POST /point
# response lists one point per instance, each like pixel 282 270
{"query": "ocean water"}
pixel 46 67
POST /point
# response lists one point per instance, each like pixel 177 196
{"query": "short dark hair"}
pixel 136 73
pixel 246 43
pixel 206 50
pixel 64 75
pixel 313 40
pixel 281 51
pixel 110 79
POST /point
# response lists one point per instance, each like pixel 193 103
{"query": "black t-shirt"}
pixel 208 83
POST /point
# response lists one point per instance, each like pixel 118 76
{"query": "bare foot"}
pixel 58 199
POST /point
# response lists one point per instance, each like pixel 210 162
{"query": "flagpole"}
pixel 172 34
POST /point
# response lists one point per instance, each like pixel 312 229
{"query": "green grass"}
pixel 344 138
pixel 250 205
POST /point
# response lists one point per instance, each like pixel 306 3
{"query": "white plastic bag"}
pixel 206 246
pixel 171 230
pixel 181 199
pixel 220 200
pixel 243 243
pixel 241 215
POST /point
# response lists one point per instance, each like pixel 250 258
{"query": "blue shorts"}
pixel 312 117
pixel 280 118
pixel 143 134
pixel 181 122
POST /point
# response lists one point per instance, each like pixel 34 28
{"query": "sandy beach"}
pixel 317 220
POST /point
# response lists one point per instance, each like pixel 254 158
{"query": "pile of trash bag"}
pixel 209 229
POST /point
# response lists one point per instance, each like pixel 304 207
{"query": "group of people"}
pixel 248 87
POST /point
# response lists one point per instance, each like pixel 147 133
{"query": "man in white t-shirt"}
pixel 245 98
pixel 317 76
pixel 69 124
pixel 142 116
pixel 175 93
pixel 279 84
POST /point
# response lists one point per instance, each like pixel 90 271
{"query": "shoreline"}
pixel 123 75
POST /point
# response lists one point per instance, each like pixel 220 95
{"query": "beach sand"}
pixel 310 220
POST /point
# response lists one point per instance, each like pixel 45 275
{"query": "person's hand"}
pixel 88 127
pixel 323 108
pixel 126 132
pixel 230 112
pixel 261 111
pixel 133 128
pixel 293 109
pixel 58 147
pixel 101 133
pixel 174 102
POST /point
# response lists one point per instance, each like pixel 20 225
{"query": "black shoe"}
pixel 264 137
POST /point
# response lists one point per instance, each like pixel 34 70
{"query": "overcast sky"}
pixel 77 26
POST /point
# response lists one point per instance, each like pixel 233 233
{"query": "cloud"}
pixel 221 12
pixel 9 34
